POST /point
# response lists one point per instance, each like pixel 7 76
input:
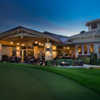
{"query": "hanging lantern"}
pixel 36 42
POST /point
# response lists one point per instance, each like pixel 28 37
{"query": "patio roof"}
pixel 32 33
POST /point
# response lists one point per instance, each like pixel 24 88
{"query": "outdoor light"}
pixel 63 62
pixel 18 48
pixel 36 42
pixel 53 47
pixel 64 47
pixel 40 43
pixel 91 49
pixel 48 45
pixel 68 48
pixel 54 54
pixel 18 43
pixel 22 44
pixel 18 54
pixel 48 53
pixel 79 50
pixel 18 51
pixel 0 47
pixel 11 43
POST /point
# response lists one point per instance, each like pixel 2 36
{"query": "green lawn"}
pixel 26 82
pixel 89 78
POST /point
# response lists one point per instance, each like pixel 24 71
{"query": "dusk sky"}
pixel 66 17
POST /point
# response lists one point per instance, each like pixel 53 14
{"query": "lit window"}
pixel 53 47
pixel 91 48
pixel 54 54
pixel 79 50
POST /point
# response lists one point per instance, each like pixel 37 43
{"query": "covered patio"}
pixel 22 43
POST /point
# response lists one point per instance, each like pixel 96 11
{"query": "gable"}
pixel 25 32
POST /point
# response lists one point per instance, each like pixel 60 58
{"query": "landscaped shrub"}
pixel 93 59
pixel 78 63
pixel 98 61
pixel 85 59
pixel 5 58
pixel 49 63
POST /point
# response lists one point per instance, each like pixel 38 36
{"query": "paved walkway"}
pixel 32 84
pixel 84 66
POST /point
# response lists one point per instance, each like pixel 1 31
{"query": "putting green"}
pixel 31 84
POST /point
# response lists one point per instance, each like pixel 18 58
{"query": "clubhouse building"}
pixel 23 42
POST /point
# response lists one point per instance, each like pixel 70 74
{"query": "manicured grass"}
pixel 25 82
pixel 89 78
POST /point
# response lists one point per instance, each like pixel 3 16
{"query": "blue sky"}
pixel 66 17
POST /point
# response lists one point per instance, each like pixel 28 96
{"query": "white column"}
pixel 76 51
pixel 88 49
pixel 96 49
pixel 0 52
pixel 48 51
pixel 82 47
pixel 17 51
